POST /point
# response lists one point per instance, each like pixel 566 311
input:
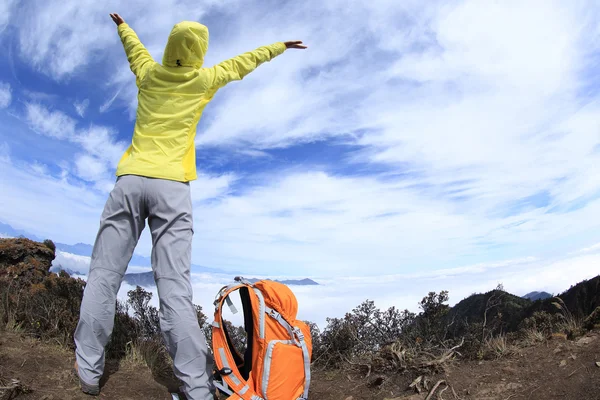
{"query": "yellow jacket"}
pixel 172 96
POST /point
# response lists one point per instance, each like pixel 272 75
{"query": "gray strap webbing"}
pixel 224 388
pixel 274 314
pixel 244 389
pixel 230 304
pixel 226 365
pixel 306 369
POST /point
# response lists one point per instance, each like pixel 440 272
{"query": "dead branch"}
pixel 442 392
pixel 453 392
pixel 445 357
pixel 14 384
pixel 533 391
pixel 574 372
pixel 417 384
pixel 431 393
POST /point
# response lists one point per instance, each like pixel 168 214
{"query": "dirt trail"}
pixel 558 369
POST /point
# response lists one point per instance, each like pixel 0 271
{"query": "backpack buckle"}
pixel 225 371
pixel 299 334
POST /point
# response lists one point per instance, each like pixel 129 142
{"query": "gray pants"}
pixel 167 206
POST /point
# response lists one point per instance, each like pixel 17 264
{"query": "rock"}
pixel 513 386
pixel 563 363
pixel 573 357
pixel 585 340
pixel 598 364
pixel 349 398
pixel 25 260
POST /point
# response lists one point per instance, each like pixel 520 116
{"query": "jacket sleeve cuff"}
pixel 122 27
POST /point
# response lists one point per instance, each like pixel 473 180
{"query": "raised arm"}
pixel 237 68
pixel 139 58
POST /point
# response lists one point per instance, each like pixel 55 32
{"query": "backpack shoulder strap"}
pixel 224 359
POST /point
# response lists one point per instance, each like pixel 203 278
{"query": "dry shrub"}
pixel 498 347
pixel 568 324
pixel 48 309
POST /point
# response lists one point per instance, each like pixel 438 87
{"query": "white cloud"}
pixel 336 296
pixel 39 168
pixel 90 168
pixel 208 187
pixel 6 7
pixel 103 150
pixel 50 123
pixel 106 105
pixel 254 153
pixel 48 206
pixel 81 107
pixel 40 97
pixel 61 46
pixel 312 221
pixel 5 94
pixel 81 264
pixel 4 152
pixel 591 249
pixel 101 141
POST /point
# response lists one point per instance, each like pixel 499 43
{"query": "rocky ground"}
pixel 556 369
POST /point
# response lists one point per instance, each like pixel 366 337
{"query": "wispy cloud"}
pixel 4 152
pixel 5 95
pixel 591 249
pixel 211 187
pixel 61 46
pixel 90 168
pixel 6 8
pixel 106 105
pixel 81 107
pixel 102 149
pixel 55 124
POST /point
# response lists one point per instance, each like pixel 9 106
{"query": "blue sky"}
pixel 411 137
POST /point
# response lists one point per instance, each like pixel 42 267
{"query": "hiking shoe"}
pixel 92 390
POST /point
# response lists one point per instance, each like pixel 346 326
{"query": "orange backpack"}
pixel 276 364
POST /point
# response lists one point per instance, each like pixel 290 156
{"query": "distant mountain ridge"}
pixel 143 279
pixel 57 268
pixel 295 282
pixel 534 296
pixel 146 279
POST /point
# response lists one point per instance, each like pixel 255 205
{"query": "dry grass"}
pixel 498 347
pixel 533 336
pixel 150 353
pixel 569 324
pixel 14 326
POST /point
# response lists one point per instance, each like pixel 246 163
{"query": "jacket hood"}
pixel 187 45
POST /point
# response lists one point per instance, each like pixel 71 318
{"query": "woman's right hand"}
pixel 297 44
pixel 117 19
